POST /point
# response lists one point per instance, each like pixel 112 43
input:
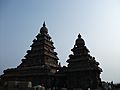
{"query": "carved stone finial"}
pixel 44 24
pixel 79 41
pixel 79 36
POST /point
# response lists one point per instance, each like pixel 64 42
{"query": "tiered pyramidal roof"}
pixel 81 57
pixel 42 51
pixel 83 69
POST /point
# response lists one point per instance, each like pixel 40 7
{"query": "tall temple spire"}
pixel 42 51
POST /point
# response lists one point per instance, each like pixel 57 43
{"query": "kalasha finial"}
pixel 79 36
pixel 44 24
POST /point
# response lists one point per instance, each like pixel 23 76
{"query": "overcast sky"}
pixel 98 21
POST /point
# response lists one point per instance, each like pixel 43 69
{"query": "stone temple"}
pixel 41 66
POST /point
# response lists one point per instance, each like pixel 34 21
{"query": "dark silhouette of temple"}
pixel 41 66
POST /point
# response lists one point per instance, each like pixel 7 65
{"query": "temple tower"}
pixel 40 63
pixel 42 52
pixel 83 71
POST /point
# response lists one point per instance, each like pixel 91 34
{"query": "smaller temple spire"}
pixel 44 24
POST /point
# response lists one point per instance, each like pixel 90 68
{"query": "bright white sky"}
pixel 98 21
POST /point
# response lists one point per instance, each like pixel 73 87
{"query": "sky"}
pixel 98 22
